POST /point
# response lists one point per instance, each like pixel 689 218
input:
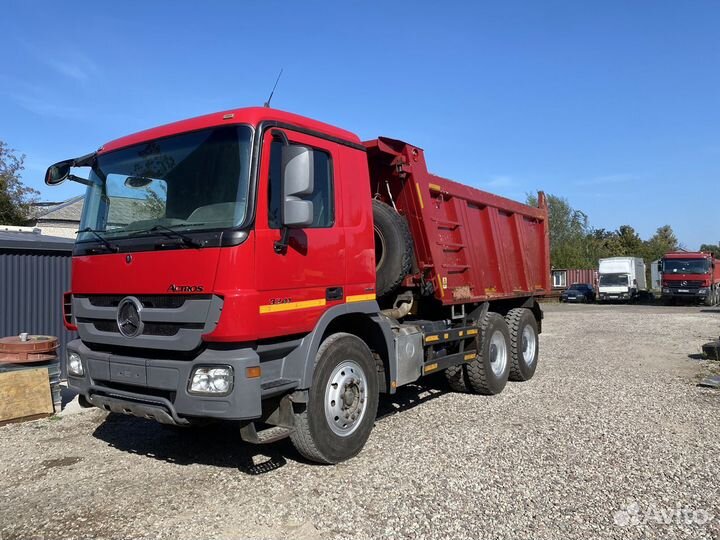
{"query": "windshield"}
pixel 614 280
pixel 191 181
pixel 686 266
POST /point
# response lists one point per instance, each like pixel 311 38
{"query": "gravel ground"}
pixel 611 431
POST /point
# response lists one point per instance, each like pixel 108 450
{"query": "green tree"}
pixel 663 241
pixel 568 233
pixel 710 248
pixel 604 243
pixel 15 197
pixel 629 242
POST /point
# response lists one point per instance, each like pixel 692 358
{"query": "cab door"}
pixel 297 284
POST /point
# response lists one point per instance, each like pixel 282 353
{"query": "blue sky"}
pixel 614 105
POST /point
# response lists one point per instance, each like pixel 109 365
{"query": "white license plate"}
pixel 683 290
pixel 572 297
pixel 614 296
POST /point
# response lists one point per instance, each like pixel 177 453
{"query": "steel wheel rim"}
pixel 498 353
pixel 529 344
pixel 346 398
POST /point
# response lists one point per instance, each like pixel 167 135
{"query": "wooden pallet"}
pixel 24 395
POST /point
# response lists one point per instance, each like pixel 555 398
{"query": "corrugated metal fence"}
pixel 34 273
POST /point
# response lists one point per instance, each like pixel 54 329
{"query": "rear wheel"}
pixel 709 300
pixel 488 373
pixel 456 378
pixel 524 344
pixel 342 401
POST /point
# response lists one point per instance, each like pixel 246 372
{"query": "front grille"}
pixel 173 321
pixel 684 284
pixel 150 329
pixel 167 301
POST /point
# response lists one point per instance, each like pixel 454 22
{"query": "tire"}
pixel 524 344
pixel 488 373
pixel 393 248
pixel 343 360
pixel 457 379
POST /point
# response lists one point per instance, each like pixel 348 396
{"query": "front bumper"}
pixel 158 388
pixel 671 292
pixel 604 297
pixel 578 298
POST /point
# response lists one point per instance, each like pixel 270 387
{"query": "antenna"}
pixel 267 103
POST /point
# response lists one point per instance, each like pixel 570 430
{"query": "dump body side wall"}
pixel 472 245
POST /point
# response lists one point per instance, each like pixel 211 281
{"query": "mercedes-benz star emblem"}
pixel 128 317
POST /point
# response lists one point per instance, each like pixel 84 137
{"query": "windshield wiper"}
pixel 185 239
pixel 111 247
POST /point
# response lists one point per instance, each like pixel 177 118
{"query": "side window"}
pixel 322 196
pixel 559 278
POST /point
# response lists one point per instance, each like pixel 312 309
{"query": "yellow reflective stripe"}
pixel 440 283
pixel 472 332
pixel 470 356
pixel 291 306
pixel 429 339
pixel 360 297
pixel 417 187
pixel 430 367
pixel 434 187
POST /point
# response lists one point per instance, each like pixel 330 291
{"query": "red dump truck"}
pixel 690 277
pixel 261 267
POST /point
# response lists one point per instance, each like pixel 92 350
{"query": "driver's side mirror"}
pixel 58 173
pixel 297 183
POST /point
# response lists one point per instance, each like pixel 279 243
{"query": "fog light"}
pixel 702 291
pixel 215 380
pixel 665 290
pixel 74 365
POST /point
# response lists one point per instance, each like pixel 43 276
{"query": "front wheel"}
pixel 342 402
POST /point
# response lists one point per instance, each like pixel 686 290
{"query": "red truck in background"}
pixel 258 266
pixel 690 277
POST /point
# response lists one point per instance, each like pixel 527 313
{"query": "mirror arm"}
pixel 83 181
pixel 85 161
pixel 281 245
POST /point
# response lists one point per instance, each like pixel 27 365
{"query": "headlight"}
pixel 703 290
pixel 74 364
pixel 665 290
pixel 215 380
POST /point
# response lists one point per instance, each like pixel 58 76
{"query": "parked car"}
pixel 578 292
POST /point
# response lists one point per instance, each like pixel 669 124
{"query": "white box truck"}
pixel 621 279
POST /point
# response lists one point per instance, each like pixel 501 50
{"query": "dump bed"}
pixel 469 244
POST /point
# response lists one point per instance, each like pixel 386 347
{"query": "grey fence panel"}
pixel 32 283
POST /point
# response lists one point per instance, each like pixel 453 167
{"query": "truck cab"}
pixel 690 277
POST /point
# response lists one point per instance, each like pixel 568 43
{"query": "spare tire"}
pixel 393 248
